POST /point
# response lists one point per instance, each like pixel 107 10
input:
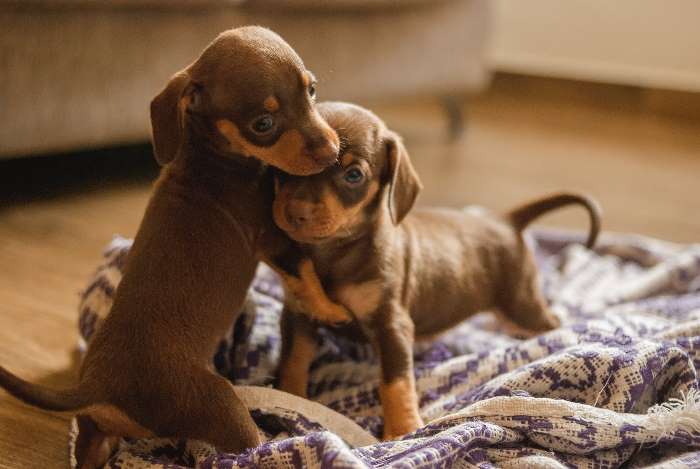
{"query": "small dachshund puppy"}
pixel 247 103
pixel 400 275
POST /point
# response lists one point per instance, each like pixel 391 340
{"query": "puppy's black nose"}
pixel 299 212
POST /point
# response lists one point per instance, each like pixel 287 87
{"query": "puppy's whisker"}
pixel 342 142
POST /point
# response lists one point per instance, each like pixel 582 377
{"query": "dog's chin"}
pixel 309 238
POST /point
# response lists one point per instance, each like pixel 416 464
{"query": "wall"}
pixel 650 43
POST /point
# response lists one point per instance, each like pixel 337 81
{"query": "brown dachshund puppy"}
pixel 245 103
pixel 401 275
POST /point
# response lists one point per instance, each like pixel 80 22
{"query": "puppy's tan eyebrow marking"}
pixel 307 78
pixel 271 104
pixel 346 160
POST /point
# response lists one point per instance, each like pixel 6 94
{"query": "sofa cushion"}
pixel 117 4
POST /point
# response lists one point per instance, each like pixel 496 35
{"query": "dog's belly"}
pixel 457 268
pixel 442 298
pixel 435 319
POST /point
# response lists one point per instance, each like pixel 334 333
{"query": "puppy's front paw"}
pixel 393 430
pixel 307 296
pixel 321 310
pixel 400 406
pixel 335 315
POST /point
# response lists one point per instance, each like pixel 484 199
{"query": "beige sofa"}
pixel 78 74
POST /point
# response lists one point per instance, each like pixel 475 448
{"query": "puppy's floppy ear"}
pixel 168 115
pixel 404 184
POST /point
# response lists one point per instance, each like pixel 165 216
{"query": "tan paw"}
pixel 395 430
pixel 400 407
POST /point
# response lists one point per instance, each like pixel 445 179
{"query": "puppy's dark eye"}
pixel 354 175
pixel 312 90
pixel 263 124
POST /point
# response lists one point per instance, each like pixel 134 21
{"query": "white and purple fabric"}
pixel 616 384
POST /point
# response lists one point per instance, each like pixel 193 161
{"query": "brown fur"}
pixel 147 370
pixel 400 274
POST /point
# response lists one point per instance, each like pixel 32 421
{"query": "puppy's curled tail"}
pixel 41 396
pixel 523 215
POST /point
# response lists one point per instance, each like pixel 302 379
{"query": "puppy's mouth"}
pixel 324 155
pixel 294 152
pixel 312 233
pixel 307 239
pixel 324 147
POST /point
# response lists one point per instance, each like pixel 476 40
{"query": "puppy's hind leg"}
pixel 525 305
pixel 93 448
pixel 215 414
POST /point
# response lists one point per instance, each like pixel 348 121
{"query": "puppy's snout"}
pixel 328 153
pixel 299 212
pixel 323 151
pixel 324 147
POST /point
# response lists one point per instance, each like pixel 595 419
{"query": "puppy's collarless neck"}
pixel 340 256
pixel 339 245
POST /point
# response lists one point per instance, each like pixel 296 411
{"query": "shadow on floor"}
pixel 42 177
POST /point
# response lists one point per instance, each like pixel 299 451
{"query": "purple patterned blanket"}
pixel 616 384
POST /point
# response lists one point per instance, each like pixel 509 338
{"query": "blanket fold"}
pixel 616 384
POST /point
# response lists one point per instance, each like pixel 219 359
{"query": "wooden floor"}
pixel 522 140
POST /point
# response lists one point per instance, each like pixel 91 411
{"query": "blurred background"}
pixel 499 101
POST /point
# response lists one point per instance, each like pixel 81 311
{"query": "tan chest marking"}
pixel 361 298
